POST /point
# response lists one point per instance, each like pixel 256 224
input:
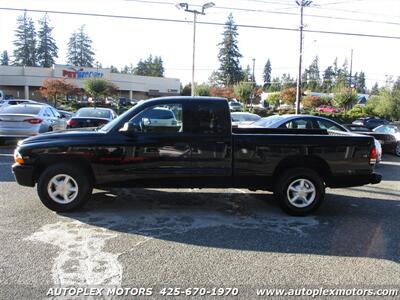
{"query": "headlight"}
pixel 18 157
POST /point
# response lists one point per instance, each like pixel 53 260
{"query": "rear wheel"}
pixel 300 191
pixel 64 187
pixel 397 150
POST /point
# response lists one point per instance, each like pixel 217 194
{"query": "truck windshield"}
pixel 113 123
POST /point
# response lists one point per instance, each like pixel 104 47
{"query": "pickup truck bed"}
pixel 195 148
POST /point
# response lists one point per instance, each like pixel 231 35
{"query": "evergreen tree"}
pixel 287 81
pixel 311 78
pixel 247 75
pixel 47 48
pixel 267 75
pixel 275 85
pixel 328 79
pixel 113 69
pixel 150 67
pixel 375 89
pixel 213 80
pixel 230 71
pixel 72 50
pixel 80 51
pixel 360 83
pixel 4 58
pixel 25 42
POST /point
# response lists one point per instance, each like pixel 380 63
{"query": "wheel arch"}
pixel 46 161
pixel 314 163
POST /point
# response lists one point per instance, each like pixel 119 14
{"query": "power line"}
pixel 202 22
pixel 341 2
pixel 354 11
pixel 276 12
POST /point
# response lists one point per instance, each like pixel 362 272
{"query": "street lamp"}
pixel 185 7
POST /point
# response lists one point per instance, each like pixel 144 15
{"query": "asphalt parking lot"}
pixel 198 238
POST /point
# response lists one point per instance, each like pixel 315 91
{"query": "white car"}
pixel 8 102
pixel 25 120
pixel 235 106
pixel 243 118
pixel 159 116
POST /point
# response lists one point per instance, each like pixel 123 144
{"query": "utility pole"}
pixel 302 4
pixel 254 85
pixel 351 69
pixel 185 6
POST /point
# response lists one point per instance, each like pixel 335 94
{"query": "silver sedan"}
pixel 24 120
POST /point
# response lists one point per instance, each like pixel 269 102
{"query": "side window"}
pixel 211 118
pixel 55 113
pixel 165 118
pixel 298 124
pixel 48 113
pixel 324 124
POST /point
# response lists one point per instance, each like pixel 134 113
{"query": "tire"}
pixel 310 186
pixel 72 195
pixel 397 149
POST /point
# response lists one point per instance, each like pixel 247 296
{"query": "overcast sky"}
pixel 119 41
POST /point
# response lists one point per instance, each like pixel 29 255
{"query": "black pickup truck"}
pixel 184 142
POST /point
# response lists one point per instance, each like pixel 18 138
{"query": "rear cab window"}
pixel 211 117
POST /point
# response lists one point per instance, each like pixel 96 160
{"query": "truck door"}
pixel 157 154
pixel 211 145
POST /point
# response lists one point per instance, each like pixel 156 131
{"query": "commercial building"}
pixel 25 82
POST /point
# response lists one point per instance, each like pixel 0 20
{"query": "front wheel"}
pixel 64 187
pixel 300 191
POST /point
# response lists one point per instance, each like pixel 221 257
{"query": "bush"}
pixel 264 112
pixel 356 112
pixel 311 101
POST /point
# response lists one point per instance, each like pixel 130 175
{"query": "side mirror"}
pixel 129 128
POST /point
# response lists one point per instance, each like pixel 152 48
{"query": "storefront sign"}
pixel 81 73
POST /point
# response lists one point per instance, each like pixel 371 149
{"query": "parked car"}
pixel 66 114
pixel 205 152
pixel 371 122
pixel 243 118
pixel 235 106
pixel 91 117
pixel 7 102
pixel 327 109
pixel 307 122
pixel 158 116
pixel 24 120
pixel 387 135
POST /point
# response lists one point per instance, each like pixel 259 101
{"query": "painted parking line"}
pixel 83 260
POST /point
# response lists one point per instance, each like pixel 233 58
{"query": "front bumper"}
pixel 354 180
pixel 23 174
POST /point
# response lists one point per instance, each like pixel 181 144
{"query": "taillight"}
pixel 72 122
pixel 33 121
pixel 373 157
pixel 103 122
